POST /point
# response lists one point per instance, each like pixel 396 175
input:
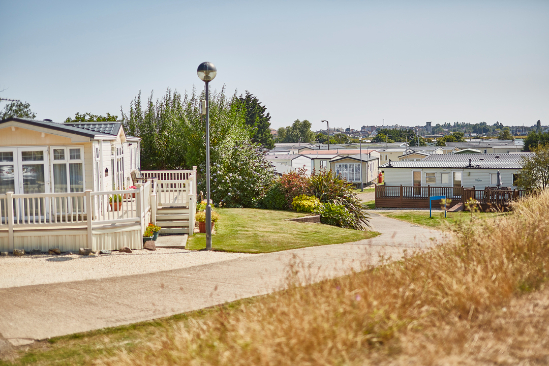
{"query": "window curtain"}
pixel 76 177
pixel 59 178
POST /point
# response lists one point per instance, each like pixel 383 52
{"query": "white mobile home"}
pixel 66 186
pixel 455 170
pixel 356 168
pixel 47 157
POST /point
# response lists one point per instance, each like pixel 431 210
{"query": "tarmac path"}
pixel 38 312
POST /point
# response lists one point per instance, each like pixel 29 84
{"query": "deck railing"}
pixel 174 188
pixel 418 196
pixel 87 210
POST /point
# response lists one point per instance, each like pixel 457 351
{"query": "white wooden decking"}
pixel 70 221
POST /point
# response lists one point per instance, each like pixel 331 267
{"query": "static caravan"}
pixel 455 170
pixel 48 157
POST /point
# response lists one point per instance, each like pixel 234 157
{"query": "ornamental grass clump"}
pixel 328 187
pixel 425 308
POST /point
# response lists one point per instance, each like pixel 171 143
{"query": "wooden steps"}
pixel 456 208
pixel 173 220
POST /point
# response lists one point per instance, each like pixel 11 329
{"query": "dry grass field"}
pixel 478 300
pixel 471 301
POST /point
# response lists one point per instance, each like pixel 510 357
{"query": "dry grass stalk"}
pixel 418 310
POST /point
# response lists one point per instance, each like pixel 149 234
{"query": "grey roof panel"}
pixel 104 128
pixel 487 161
pixel 54 126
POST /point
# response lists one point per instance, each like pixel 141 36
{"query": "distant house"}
pixel 390 154
pixel 455 170
pixel 412 156
pixel 356 168
pixel 283 163
pixel 468 151
pixel 488 146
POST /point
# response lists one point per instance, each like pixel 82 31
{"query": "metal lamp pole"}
pixel 206 72
pixel 328 127
pixel 361 181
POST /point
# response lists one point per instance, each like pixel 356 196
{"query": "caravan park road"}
pixel 48 310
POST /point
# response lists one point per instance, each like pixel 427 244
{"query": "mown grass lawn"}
pixel 370 205
pixel 247 230
pixel 438 220
pixel 366 190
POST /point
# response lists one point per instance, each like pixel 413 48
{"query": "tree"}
pixel 453 137
pixel 88 117
pixel 534 175
pixel 172 132
pixel 257 120
pixel 398 135
pixel 535 139
pixel 381 137
pixel 505 134
pixel 340 138
pixel 18 109
pixel 281 133
pixel 299 131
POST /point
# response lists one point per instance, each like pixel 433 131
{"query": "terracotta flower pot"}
pixel 115 206
pixel 202 226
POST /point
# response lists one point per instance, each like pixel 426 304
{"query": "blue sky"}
pixel 353 63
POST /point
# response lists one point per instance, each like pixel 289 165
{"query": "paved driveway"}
pixel 36 312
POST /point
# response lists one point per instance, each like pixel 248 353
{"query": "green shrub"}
pixel 294 184
pixel 202 205
pixel 330 188
pixel 336 215
pixel 201 216
pixel 275 198
pixel 305 203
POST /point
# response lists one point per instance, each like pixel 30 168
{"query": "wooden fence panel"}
pixel 418 196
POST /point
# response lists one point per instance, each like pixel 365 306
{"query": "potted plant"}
pixel 201 218
pixel 115 202
pixel 151 232
pixel 131 195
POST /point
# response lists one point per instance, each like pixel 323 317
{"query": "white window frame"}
pixel 67 160
pixel 344 171
pixel 434 176
pixel 449 178
pixel 493 178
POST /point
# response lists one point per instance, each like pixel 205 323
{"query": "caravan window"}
pixel 68 170
pixel 350 172
pixel 445 178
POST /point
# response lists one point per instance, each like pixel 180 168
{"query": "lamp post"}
pixel 206 72
pixel 361 181
pixel 328 127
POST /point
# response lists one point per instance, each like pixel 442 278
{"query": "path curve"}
pixel 42 311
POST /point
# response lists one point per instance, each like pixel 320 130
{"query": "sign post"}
pixel 436 198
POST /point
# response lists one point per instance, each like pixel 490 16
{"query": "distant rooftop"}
pixel 487 161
